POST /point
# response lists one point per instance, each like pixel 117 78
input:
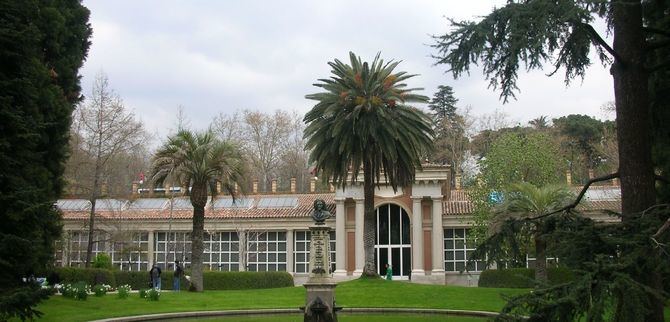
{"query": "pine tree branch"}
pixel 658 44
pixel 656 31
pixel 658 67
pixel 595 36
pixel 580 196
pixel 665 226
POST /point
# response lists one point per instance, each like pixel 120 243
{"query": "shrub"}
pixel 522 277
pixel 92 276
pixel 153 294
pixel 66 290
pixel 100 289
pixel 123 291
pixel 245 280
pixel 77 291
pixel 102 260
pixel 143 293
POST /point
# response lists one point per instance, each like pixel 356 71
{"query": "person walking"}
pixel 178 273
pixel 389 272
pixel 155 274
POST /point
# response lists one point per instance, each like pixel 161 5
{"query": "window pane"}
pixel 383 225
pixel 405 229
pixel 395 225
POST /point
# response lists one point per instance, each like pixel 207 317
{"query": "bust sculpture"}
pixel 320 214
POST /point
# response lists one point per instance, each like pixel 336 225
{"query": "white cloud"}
pixel 214 57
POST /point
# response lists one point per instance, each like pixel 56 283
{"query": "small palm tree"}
pixel 198 161
pixel 525 201
pixel 362 121
pixel 539 123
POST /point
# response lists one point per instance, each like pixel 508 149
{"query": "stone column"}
pixel 437 234
pixel 150 249
pixel 417 237
pixel 289 251
pixel 340 236
pixel 358 237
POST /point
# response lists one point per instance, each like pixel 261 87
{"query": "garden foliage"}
pixel 522 277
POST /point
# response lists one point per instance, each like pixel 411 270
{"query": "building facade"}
pixel 421 230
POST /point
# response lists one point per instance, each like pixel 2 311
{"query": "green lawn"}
pixel 358 293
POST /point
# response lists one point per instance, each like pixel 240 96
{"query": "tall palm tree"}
pixel 524 201
pixel 198 161
pixel 362 121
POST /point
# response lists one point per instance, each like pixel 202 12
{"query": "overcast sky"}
pixel 220 56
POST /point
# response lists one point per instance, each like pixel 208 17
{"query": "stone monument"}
pixel 320 295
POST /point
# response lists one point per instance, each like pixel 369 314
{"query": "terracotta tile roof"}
pixel 459 203
pixel 459 195
pixel 458 207
pixel 303 209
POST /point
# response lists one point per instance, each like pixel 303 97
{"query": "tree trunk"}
pixel 369 221
pixel 540 258
pixel 91 217
pixel 632 109
pixel 633 120
pixel 198 199
pixel 91 227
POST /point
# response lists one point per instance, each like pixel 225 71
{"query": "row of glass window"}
pixel 128 250
pixel 266 251
pixel 457 251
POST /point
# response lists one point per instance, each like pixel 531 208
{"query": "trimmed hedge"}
pixel 213 280
pixel 522 277
pixel 136 280
pixel 245 280
pixel 92 276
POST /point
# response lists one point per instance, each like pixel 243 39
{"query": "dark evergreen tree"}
pixel 450 141
pixel 42 46
pixel 656 18
pixel 443 104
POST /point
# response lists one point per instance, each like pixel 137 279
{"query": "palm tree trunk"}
pixel 540 258
pixel 369 221
pixel 198 199
pixel 197 248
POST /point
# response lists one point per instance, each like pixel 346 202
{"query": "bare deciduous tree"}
pixel 265 135
pixel 104 130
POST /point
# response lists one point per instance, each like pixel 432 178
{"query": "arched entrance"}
pixel 392 241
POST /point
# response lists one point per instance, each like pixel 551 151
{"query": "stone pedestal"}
pixel 320 295
pixel 320 302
